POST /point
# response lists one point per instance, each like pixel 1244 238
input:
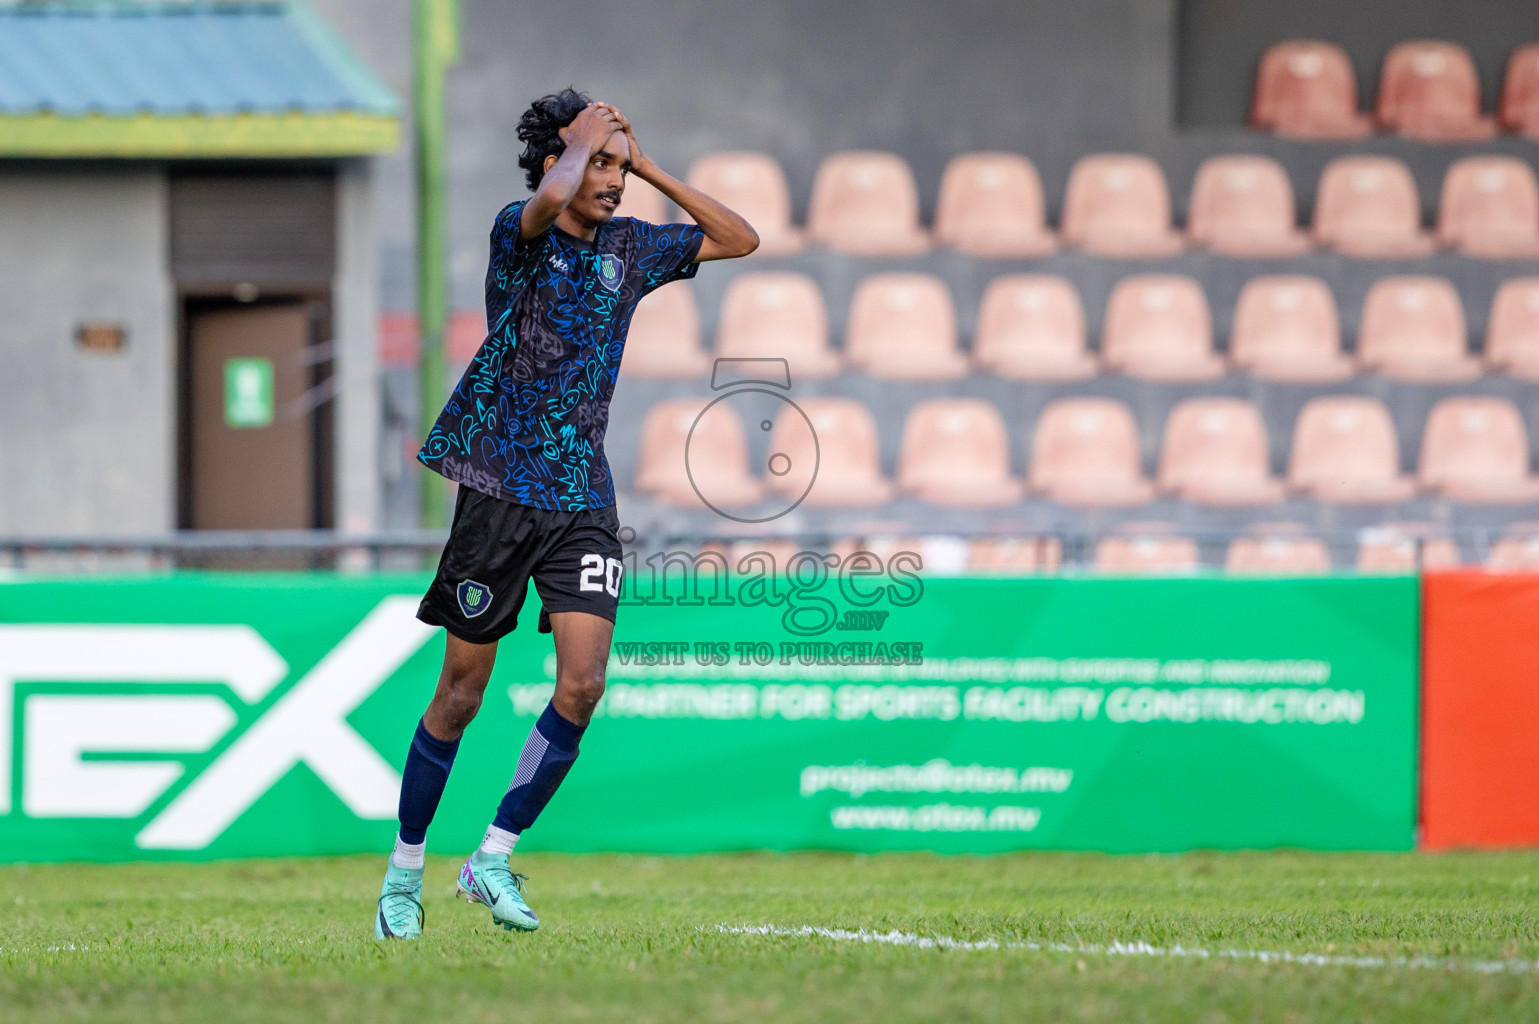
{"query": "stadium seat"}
pixel 779 549
pixel 1368 207
pixel 754 186
pixel 1286 329
pixel 664 339
pixel 718 455
pixel 1345 451
pixel 991 205
pixel 777 314
pixel 1006 556
pixel 1413 329
pixel 643 202
pixel 903 327
pixel 956 452
pixel 1429 90
pixel 1306 89
pixel 1520 92
pixel 1476 450
pixel 1158 327
pixel 1278 554
pixel 1490 208
pixel 1405 548
pixel 1512 332
pixel 867 204
pixel 1243 206
pixel 1084 452
pixel 1215 453
pixel 1032 327
pixel 1517 551
pixel 843 446
pixel 1118 205
pixel 1146 548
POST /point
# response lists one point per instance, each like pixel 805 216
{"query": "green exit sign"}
pixel 248 393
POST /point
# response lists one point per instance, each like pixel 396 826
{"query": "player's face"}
pixel 603 182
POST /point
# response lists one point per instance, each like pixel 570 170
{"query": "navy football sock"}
pixel 422 782
pixel 548 755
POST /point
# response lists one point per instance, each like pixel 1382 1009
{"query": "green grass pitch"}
pixel 638 939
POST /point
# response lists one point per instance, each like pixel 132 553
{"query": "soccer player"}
pixel 523 436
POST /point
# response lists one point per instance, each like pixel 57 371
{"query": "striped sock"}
pixel 547 757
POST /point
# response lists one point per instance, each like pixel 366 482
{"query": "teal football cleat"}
pixel 400 904
pixel 486 879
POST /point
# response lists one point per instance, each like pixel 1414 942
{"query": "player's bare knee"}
pixel 584 688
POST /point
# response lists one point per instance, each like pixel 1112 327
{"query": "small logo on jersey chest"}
pixel 557 263
pixel 611 269
pixel 474 597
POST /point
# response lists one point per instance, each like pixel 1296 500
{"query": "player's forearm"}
pixel 727 234
pixel 557 190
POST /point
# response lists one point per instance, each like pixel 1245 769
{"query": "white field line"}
pixel 1132 949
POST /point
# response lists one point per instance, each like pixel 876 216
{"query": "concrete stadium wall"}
pixel 87 440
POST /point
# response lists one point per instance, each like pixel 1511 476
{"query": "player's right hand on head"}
pixel 592 127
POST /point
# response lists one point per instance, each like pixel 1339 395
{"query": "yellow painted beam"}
pixel 238 135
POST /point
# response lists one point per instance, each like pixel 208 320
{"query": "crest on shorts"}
pixel 474 597
pixel 611 270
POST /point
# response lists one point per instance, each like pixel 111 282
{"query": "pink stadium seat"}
pixel 866 203
pixel 777 314
pixel 1286 329
pixel 1158 328
pixel 1490 208
pixel 1032 327
pixel 1476 450
pixel 843 446
pixel 1518 551
pixel 1148 548
pixel 1306 89
pixel 1118 205
pixel 956 452
pixel 991 205
pixel 1280 555
pixel 1404 548
pixel 1520 92
pixel 1367 206
pixel 1243 206
pixel 1002 556
pixel 664 340
pixel 1215 453
pixel 1429 90
pixel 642 201
pixel 1512 332
pixel 1085 453
pixel 903 327
pixel 717 457
pixel 1345 451
pixel 1413 329
pixel 753 185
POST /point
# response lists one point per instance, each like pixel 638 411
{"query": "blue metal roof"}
pixel 74 59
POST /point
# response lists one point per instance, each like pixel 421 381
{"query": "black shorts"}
pixel 495 547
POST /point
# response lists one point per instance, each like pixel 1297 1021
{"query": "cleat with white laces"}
pixel 486 879
pixel 400 904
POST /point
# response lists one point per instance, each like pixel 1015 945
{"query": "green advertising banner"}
pixel 229 716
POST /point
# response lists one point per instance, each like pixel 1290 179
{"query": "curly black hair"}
pixel 539 130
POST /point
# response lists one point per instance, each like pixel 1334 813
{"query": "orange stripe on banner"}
pixel 1480 709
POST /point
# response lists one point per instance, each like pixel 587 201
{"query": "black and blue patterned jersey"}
pixel 526 422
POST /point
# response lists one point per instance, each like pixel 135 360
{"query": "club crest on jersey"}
pixel 610 270
pixel 474 597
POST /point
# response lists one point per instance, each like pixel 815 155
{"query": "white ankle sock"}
pixel 498 840
pixel 407 855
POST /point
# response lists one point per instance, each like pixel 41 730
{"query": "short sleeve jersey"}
pixel 526 422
